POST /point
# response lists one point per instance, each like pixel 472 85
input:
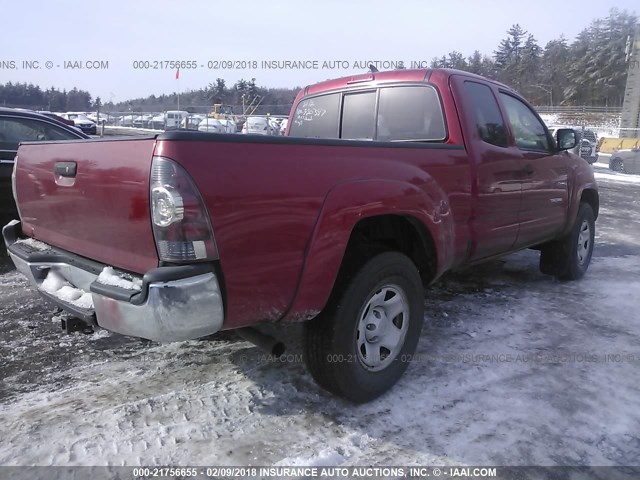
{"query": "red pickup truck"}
pixel 384 182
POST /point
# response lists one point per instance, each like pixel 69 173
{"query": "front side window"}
pixel 410 113
pixel 14 130
pixel 316 117
pixel 529 132
pixel 358 116
pixel 489 122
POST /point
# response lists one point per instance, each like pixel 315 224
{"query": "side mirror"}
pixel 566 138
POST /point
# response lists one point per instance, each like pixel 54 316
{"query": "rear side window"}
pixel 359 116
pixel 489 121
pixel 316 117
pixel 529 132
pixel 410 113
pixel 14 130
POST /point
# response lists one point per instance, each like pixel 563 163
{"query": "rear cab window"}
pixel 317 117
pixel 359 116
pixel 410 113
pixel 388 113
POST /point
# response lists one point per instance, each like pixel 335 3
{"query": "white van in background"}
pixel 173 118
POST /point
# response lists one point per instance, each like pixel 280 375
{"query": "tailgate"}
pixel 101 212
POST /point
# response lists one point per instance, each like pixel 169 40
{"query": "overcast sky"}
pixel 121 32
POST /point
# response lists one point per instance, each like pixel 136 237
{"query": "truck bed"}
pixel 265 196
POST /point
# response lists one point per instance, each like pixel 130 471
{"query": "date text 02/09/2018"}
pixel 249 64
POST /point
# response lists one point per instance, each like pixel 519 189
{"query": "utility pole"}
pixel 630 120
pixel 178 79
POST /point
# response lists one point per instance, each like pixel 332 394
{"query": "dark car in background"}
pixel 20 126
pixel 626 161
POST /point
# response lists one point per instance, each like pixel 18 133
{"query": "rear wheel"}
pixel 569 257
pixel 361 344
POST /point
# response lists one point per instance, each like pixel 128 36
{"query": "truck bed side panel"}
pixel 265 200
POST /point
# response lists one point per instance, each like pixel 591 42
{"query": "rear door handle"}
pixel 66 169
pixel 527 170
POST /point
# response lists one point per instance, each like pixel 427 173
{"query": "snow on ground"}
pixel 513 368
pixel 549 118
pixel 617 177
pixel 602 172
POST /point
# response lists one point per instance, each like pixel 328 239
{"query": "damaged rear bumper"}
pixel 174 303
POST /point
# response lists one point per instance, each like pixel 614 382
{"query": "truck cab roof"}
pixel 393 76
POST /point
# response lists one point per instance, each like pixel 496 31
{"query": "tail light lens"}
pixel 13 185
pixel 181 226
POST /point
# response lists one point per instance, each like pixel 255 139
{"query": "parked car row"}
pixel 254 125
pixel 157 121
pixel 82 122
pixel 174 119
pixel 74 119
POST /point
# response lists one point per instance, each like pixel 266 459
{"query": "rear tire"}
pixel 569 257
pixel 363 341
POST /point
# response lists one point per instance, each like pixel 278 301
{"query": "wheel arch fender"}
pixel 349 203
pixel 590 195
pixel 584 188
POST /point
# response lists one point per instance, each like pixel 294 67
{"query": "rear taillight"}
pixel 181 225
pixel 13 184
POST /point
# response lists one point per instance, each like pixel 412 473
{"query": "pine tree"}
pixel 457 60
pixel 610 78
pixel 217 92
pixel 554 66
pixel 597 73
pixel 529 70
pixel 509 56
pixel 577 90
